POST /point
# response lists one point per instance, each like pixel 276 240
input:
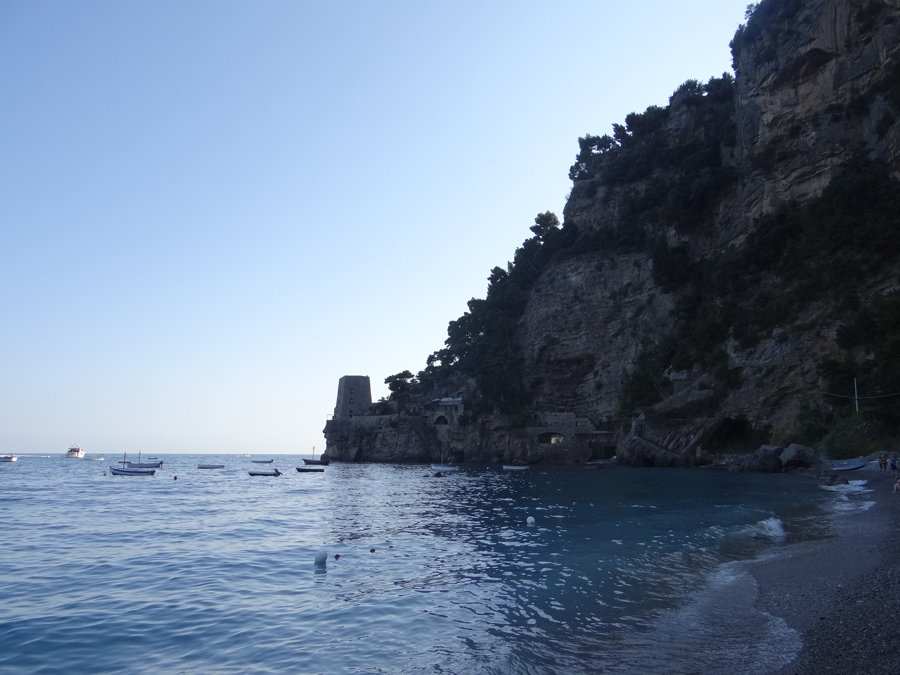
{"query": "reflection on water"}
pixel 214 571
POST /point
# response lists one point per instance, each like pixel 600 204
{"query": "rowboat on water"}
pixel 314 461
pixel 139 464
pixel 262 461
pixel 443 467
pixel 131 472
pixel 210 466
pixel 309 469
pixel 273 472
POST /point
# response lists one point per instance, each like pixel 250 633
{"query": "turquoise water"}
pixel 625 570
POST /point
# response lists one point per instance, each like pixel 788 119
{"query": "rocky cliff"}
pixel 714 258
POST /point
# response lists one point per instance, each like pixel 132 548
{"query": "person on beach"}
pixel 882 463
pixel 897 485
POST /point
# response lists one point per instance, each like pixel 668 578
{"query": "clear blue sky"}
pixel 213 210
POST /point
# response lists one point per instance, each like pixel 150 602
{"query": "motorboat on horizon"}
pixel 75 451
pixel 8 458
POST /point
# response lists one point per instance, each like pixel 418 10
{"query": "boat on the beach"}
pixel 515 467
pixel 852 466
pixel 273 472
pixel 131 472
pixel 8 458
pixel 75 451
pixel 210 466
pixel 262 461
pixel 309 469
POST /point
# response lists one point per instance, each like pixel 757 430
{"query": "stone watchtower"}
pixel 354 396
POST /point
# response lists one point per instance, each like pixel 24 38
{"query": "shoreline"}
pixel 842 595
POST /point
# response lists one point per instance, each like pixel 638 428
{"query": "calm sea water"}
pixel 625 571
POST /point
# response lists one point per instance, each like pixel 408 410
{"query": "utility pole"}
pixel 856 394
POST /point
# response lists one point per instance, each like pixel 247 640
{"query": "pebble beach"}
pixel 842 594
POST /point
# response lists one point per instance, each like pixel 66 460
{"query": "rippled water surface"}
pixel 625 570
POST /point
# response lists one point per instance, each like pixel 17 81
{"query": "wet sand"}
pixel 842 594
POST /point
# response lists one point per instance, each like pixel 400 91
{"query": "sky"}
pixel 210 211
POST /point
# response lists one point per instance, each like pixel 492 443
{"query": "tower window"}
pixel 351 400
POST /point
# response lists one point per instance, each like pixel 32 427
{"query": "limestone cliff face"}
pixel 817 82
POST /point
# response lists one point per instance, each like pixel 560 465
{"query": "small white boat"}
pixel 273 472
pixel 515 467
pixel 210 466
pixel 75 451
pixel 8 458
pixel 444 467
pixel 94 459
pixel 131 472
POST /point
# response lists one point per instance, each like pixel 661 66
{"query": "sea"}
pixel 214 571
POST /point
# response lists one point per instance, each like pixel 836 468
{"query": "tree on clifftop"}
pixel 401 386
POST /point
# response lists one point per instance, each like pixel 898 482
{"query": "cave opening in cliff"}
pixel 441 420
pixel 550 437
pixel 734 435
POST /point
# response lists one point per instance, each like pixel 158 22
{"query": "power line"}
pixel 861 397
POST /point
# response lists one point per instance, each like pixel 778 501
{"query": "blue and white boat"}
pixel 850 466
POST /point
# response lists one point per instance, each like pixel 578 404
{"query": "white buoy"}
pixel 530 520
pixel 321 557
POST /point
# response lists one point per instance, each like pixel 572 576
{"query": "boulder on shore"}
pixel 765 460
pixel 798 456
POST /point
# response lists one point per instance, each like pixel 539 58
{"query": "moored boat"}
pixel 75 451
pixel 210 466
pixel 8 458
pixel 262 461
pixel 443 467
pixel 317 462
pixel 309 469
pixel 140 465
pixel 273 472
pixel 131 472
